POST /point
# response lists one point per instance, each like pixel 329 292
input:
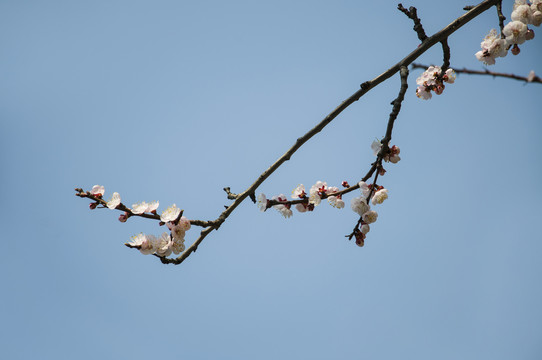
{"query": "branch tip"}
pixel 412 13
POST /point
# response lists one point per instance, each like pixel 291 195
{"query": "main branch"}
pixel 365 87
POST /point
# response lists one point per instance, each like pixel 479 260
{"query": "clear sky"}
pixel 174 100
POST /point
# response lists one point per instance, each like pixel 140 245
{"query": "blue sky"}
pixel 174 100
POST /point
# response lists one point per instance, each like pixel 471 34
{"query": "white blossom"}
pixel 164 244
pixel 426 78
pixel 515 32
pixel 145 243
pixel 430 80
pixel 359 205
pixel 536 18
pixel 519 3
pixel 184 223
pixel 114 201
pixel 365 228
pixel 393 155
pixel 170 214
pixel 283 209
pixel 394 159
pixel 450 76
pixel 139 208
pixel 152 206
pixel 286 212
pixel 301 207
pixel 299 192
pixel 315 191
pixel 492 47
pixel 370 217
pixel 262 202
pixel 178 246
pixel 522 13
pixel 177 232
pixel 380 196
pixel 423 92
pixel 376 146
pixel 335 200
pixel 97 190
pixel 315 199
pixel 364 188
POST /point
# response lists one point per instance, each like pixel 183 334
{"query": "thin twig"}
pixel 412 14
pixel 535 79
pixel 445 56
pixel 231 195
pixel 121 207
pixel 387 138
pixel 501 18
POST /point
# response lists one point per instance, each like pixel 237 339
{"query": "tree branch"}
pixel 365 87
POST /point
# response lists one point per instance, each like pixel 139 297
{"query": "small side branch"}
pixel 385 150
pixel 231 195
pixel 100 203
pixel 395 110
pixel 501 17
pixel 412 14
pixel 445 56
pixel 531 78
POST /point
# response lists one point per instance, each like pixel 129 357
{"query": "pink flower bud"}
pixel 92 206
pixel 529 35
pixel 360 238
pixel 515 49
pixel 439 88
pixel 345 184
pixel 123 217
pixel 382 171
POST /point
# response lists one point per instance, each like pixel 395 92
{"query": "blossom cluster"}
pixel 514 33
pixel 162 246
pixel 303 201
pixel 166 244
pixel 316 193
pixel 360 206
pixel 392 156
pixel 433 80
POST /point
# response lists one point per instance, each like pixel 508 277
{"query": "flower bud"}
pixel 515 49
pixel 92 206
pixel 529 35
pixel 123 217
pixel 360 238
